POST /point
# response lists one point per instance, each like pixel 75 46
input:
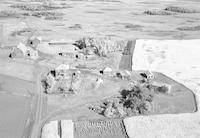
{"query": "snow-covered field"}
pixel 178 59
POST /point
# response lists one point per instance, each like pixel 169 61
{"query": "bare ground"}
pixel 100 128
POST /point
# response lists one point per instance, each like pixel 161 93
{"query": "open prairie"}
pixel 121 19
pixel 73 78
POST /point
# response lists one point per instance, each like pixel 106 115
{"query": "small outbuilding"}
pixel 34 41
pixel 99 82
pixel 61 70
pixel 106 70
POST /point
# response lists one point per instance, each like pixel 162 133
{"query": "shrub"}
pixel 137 99
pixel 187 28
pixel 45 85
pixel 9 14
pixel 98 47
pixel 22 31
pixel 160 12
pixel 37 7
pixel 53 18
pixel 180 9
pixel 131 102
pixel 134 27
pixel 46 14
pixel 162 89
pixel 81 44
pixel 29 7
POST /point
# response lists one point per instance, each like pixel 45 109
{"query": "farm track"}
pixel 126 60
pixel 38 114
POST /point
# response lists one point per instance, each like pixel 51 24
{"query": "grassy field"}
pixel 13 107
pixel 17 104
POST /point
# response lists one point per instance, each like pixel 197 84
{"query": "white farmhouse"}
pixel 61 70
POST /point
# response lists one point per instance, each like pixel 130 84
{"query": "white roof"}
pixel 22 47
pixel 69 41
pixel 36 37
pixel 62 67
pixel 100 81
pixel 107 69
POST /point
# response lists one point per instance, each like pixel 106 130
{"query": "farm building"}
pixel 23 51
pixel 61 70
pixel 34 41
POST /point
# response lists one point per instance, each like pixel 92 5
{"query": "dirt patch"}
pixel 100 128
pixel 133 27
pixel 109 9
pixel 76 26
